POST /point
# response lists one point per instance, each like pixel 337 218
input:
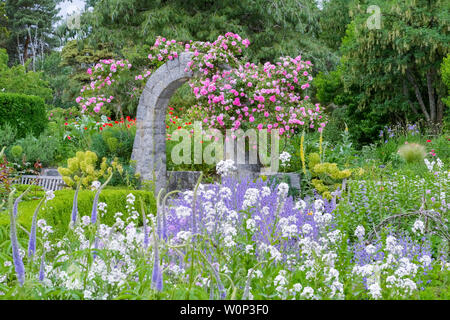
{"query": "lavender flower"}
pixel 157 277
pixel 18 263
pixel 75 205
pixel 19 198
pixel 32 239
pixel 95 204
pixel 42 268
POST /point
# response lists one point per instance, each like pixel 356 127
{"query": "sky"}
pixel 68 7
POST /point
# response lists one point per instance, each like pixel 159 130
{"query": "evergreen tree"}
pixel 4 33
pixel 334 18
pixel 275 28
pixel 31 24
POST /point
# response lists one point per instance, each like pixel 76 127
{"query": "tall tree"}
pixel 30 23
pixel 334 18
pixel 4 33
pixel 397 63
pixel 275 28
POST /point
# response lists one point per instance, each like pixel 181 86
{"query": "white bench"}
pixel 47 182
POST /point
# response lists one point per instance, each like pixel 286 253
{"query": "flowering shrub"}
pixel 230 92
pixel 6 178
pixel 99 92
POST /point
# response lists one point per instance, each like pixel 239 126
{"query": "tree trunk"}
pixel 416 88
pixel 440 110
pixel 25 49
pixel 406 94
pixel 431 98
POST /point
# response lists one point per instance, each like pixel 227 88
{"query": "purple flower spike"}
pixel 18 263
pixel 42 268
pixel 75 205
pixel 32 239
pixel 157 277
pixel 94 208
pixel 95 247
pixel 95 204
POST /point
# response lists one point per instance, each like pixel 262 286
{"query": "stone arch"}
pixel 149 149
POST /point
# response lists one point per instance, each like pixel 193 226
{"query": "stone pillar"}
pixel 149 149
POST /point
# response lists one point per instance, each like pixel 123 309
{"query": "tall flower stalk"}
pixel 18 263
pixel 157 277
pixel 32 239
pixel 302 153
pixel 19 198
pixel 75 204
pixel 144 221
pixel 42 267
pixel 95 204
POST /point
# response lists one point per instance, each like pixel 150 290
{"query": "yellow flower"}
pixel 320 146
pixel 302 152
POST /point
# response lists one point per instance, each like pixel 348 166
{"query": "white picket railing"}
pixel 47 182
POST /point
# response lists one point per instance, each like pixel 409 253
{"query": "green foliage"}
pixel 42 148
pixel 381 193
pixel 57 211
pixel 445 70
pixel 276 29
pixel 8 135
pixel 16 151
pixel 395 66
pixel 57 75
pixel 25 113
pixel 17 80
pixel 327 176
pixel 116 141
pixel 4 32
pixel 35 192
pixel 334 18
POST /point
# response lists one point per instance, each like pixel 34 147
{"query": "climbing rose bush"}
pixel 231 92
pixel 104 76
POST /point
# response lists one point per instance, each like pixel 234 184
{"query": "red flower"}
pixel 179 128
pixel 66 124
pixel 68 137
pixel 428 140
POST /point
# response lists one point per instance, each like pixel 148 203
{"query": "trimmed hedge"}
pixel 25 113
pixel 58 211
